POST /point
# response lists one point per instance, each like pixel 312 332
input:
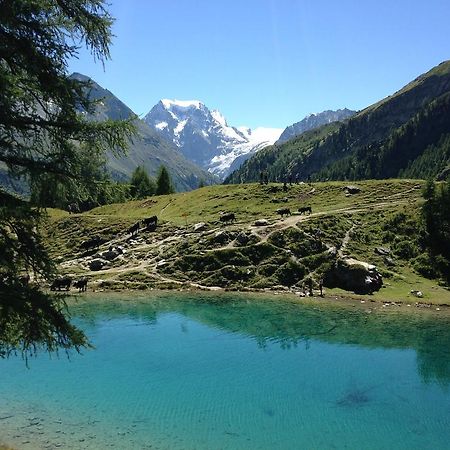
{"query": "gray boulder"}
pixel 110 255
pixel 383 251
pixel 261 222
pixel 97 264
pixel 242 238
pixel 352 189
pixel 201 226
pixel 389 261
pixel 353 275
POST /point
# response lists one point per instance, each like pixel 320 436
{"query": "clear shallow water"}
pixel 226 372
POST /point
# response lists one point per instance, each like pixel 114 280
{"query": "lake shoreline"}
pixel 368 302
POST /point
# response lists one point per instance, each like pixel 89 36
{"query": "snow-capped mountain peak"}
pixel 219 117
pixel 204 136
pixel 169 104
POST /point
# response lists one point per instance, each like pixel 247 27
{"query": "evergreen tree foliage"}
pixel 436 214
pixel 45 140
pixel 141 185
pixel 163 182
pixel 93 188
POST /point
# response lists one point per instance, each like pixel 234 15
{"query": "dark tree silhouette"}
pixel 43 135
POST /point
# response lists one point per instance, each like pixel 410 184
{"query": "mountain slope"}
pixel 314 121
pixel 146 148
pixel 204 136
pixel 382 141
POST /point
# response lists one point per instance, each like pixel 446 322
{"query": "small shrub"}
pixel 290 273
pixel 406 250
pixel 423 265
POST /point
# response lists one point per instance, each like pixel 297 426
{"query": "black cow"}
pixel 305 209
pixel 284 211
pixel 81 284
pixel 134 229
pixel 92 243
pixel 61 283
pixel 150 223
pixel 227 217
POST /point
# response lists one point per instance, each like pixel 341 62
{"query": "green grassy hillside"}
pixel 404 135
pixel 282 253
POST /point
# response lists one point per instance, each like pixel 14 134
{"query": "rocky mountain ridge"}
pixel 314 120
pixel 204 136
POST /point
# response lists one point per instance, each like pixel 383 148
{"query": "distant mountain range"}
pixel 147 147
pixel 204 136
pixel 192 141
pixel 404 135
pixel 314 120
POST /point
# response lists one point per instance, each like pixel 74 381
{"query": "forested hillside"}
pixel 404 135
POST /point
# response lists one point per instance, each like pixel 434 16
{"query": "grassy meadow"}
pixel 241 256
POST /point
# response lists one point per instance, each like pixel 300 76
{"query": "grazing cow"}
pixel 284 211
pixel 81 284
pixel 61 283
pixel 305 209
pixel 150 223
pixel 134 229
pixel 227 217
pixel 92 243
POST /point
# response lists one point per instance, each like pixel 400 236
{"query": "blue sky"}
pixel 269 62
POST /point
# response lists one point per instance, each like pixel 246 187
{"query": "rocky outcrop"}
pixel 382 251
pixel 352 189
pixel 313 121
pixel 353 275
pixel 201 226
pixel 97 264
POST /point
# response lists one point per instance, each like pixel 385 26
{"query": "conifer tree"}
pixel 42 134
pixel 141 184
pixel 163 182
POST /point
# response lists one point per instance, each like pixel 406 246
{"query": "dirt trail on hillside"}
pixel 346 240
pixel 147 252
pixel 281 224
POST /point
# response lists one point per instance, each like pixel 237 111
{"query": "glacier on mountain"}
pixel 205 137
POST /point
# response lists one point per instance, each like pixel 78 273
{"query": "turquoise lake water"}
pixel 231 372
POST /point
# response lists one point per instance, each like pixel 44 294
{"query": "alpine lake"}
pixel 232 371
